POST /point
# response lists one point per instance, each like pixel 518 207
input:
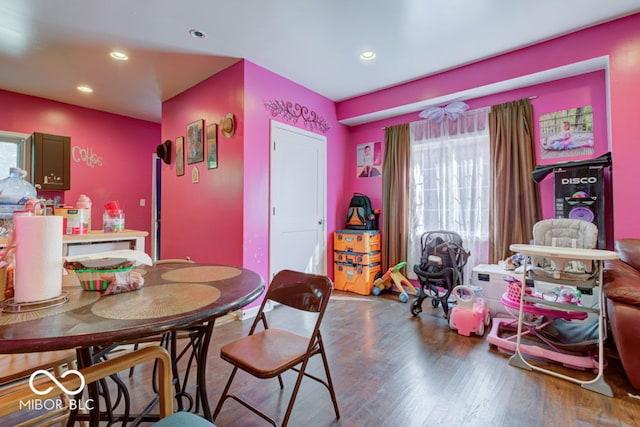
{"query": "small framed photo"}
pixel 369 160
pixel 195 142
pixel 212 146
pixel 179 156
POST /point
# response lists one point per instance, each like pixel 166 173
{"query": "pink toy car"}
pixel 470 314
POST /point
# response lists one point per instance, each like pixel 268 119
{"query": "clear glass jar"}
pixel 113 221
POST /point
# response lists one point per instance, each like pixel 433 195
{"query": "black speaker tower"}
pixel 580 193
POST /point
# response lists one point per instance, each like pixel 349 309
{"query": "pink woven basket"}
pixel 513 292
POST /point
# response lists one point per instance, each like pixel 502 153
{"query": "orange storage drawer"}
pixel 363 241
pixel 355 278
pixel 357 258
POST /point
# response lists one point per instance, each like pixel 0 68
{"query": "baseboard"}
pixel 243 314
pixel 250 313
pixel 230 317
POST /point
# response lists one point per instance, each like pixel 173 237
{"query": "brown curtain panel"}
pixel 395 195
pixel 515 199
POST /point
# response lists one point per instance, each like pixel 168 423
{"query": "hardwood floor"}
pixel 392 369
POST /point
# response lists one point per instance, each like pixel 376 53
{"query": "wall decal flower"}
pixel 292 112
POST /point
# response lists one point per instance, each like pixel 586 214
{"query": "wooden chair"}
pixel 16 368
pixel 272 351
pixel 11 401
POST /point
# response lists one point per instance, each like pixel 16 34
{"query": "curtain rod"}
pixel 529 98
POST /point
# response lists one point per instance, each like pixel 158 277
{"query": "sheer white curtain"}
pixel 449 183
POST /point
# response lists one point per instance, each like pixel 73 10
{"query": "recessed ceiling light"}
pixel 120 56
pixel 367 55
pixel 197 34
pixel 85 89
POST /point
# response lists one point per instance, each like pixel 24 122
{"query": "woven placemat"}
pixel 156 301
pixel 77 298
pixel 201 274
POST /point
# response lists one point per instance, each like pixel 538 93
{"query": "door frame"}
pixel 156 202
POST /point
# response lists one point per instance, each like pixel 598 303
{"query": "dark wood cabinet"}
pixel 51 162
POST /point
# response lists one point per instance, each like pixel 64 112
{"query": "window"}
pixel 13 152
pixel 449 184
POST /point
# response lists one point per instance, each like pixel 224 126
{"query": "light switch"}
pixel 143 202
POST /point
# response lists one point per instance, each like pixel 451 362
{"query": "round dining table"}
pixel 174 296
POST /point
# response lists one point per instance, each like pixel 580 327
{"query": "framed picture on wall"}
pixel 180 156
pixel 195 142
pixel 212 146
pixel 567 133
pixel 369 160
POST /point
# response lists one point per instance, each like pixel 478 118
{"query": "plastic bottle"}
pixel 84 202
pixel 14 192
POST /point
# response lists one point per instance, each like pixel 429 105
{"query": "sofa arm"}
pixel 629 251
pixel 622 283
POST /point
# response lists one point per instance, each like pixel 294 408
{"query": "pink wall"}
pixel 262 85
pixel 625 126
pixel 588 89
pixel 583 90
pixel 123 147
pixel 225 217
pixel 619 39
pixel 204 220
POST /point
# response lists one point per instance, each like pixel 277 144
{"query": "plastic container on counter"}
pixel 84 202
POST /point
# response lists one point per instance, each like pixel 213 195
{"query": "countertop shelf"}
pixel 94 236
pixel 98 241
pixel 100 236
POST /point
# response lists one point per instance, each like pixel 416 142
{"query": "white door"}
pixel 298 200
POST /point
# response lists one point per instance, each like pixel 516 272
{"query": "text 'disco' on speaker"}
pixel 580 194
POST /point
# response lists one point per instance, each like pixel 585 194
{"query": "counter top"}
pixel 99 235
pixel 95 236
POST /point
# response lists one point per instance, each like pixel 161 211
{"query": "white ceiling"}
pixel 48 47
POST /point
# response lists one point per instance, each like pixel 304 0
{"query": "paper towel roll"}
pixel 38 274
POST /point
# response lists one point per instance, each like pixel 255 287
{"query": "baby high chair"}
pixel 546 325
pixel 564 233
